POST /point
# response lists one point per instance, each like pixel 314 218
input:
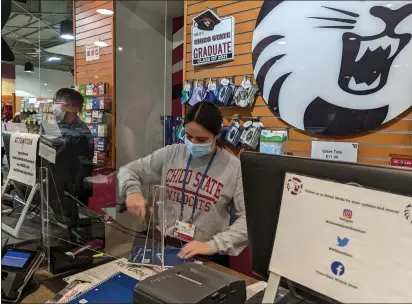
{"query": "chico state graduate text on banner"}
pixel 23 149
pixel 350 243
pixel 218 45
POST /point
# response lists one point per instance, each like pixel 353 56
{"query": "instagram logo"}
pixel 347 214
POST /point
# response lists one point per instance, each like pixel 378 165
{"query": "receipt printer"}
pixel 190 283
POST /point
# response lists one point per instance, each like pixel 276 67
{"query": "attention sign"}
pixel 212 38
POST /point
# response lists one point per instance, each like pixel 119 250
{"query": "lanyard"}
pixel 198 187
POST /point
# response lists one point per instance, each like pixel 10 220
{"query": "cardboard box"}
pixel 100 144
pixel 95 103
pixel 97 116
pixel 105 103
pixel 99 158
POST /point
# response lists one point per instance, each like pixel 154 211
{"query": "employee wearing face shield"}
pixel 204 182
pixel 78 140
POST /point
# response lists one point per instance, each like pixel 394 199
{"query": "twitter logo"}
pixel 342 242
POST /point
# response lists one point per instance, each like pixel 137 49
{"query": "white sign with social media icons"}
pixel 349 243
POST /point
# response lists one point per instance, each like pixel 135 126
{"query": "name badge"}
pixel 184 231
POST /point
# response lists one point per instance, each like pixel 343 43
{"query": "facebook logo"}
pixel 337 268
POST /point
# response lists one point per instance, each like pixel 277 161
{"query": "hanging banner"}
pixel 349 243
pixel 213 38
pixel 335 151
pixel 92 52
pixel 23 153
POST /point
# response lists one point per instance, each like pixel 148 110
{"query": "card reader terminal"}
pixel 17 268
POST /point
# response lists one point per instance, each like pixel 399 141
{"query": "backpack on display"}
pixel 252 94
pixel 231 85
pixel 233 134
pixel 211 92
pixel 245 93
pixel 246 128
pixel 253 134
pixel 198 94
pixel 225 92
pixel 186 93
pixel 240 98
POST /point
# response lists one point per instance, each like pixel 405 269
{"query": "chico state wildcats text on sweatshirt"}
pixel 221 188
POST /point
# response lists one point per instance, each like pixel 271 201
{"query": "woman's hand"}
pixel 194 248
pixel 136 204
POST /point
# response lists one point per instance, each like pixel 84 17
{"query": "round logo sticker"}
pixel 294 186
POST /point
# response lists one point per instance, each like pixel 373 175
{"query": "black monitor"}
pixel 263 177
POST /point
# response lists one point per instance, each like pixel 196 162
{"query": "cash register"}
pixel 190 283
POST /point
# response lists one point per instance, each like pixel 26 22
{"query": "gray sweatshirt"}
pixel 221 187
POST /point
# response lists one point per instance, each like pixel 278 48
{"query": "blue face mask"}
pixel 198 150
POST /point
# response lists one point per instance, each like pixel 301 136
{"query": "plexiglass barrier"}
pixel 75 216
pixel 23 182
pixel 21 210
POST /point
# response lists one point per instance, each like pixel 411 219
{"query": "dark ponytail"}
pixel 207 115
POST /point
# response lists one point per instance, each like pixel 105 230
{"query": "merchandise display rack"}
pixel 97 103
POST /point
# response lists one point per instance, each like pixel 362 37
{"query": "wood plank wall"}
pixel 90 26
pixel 375 147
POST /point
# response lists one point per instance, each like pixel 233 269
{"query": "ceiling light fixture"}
pixel 28 67
pixel 66 29
pixel 45 84
pixel 100 43
pixel 104 11
pixel 120 49
pixel 54 58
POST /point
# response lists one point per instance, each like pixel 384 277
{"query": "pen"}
pixel 100 255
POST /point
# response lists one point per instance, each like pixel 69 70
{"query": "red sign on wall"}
pixel 403 162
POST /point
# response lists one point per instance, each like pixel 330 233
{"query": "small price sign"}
pixel 335 151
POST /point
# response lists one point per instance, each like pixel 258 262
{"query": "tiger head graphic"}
pixel 294 185
pixel 334 67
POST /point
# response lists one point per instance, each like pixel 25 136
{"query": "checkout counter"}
pixel 65 224
pixel 51 286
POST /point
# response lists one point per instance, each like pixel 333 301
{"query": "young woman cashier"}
pixel 203 181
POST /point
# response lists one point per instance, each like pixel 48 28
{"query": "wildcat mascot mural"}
pixel 334 67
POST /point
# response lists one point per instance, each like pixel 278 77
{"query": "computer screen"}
pixel 263 177
pixel 15 259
